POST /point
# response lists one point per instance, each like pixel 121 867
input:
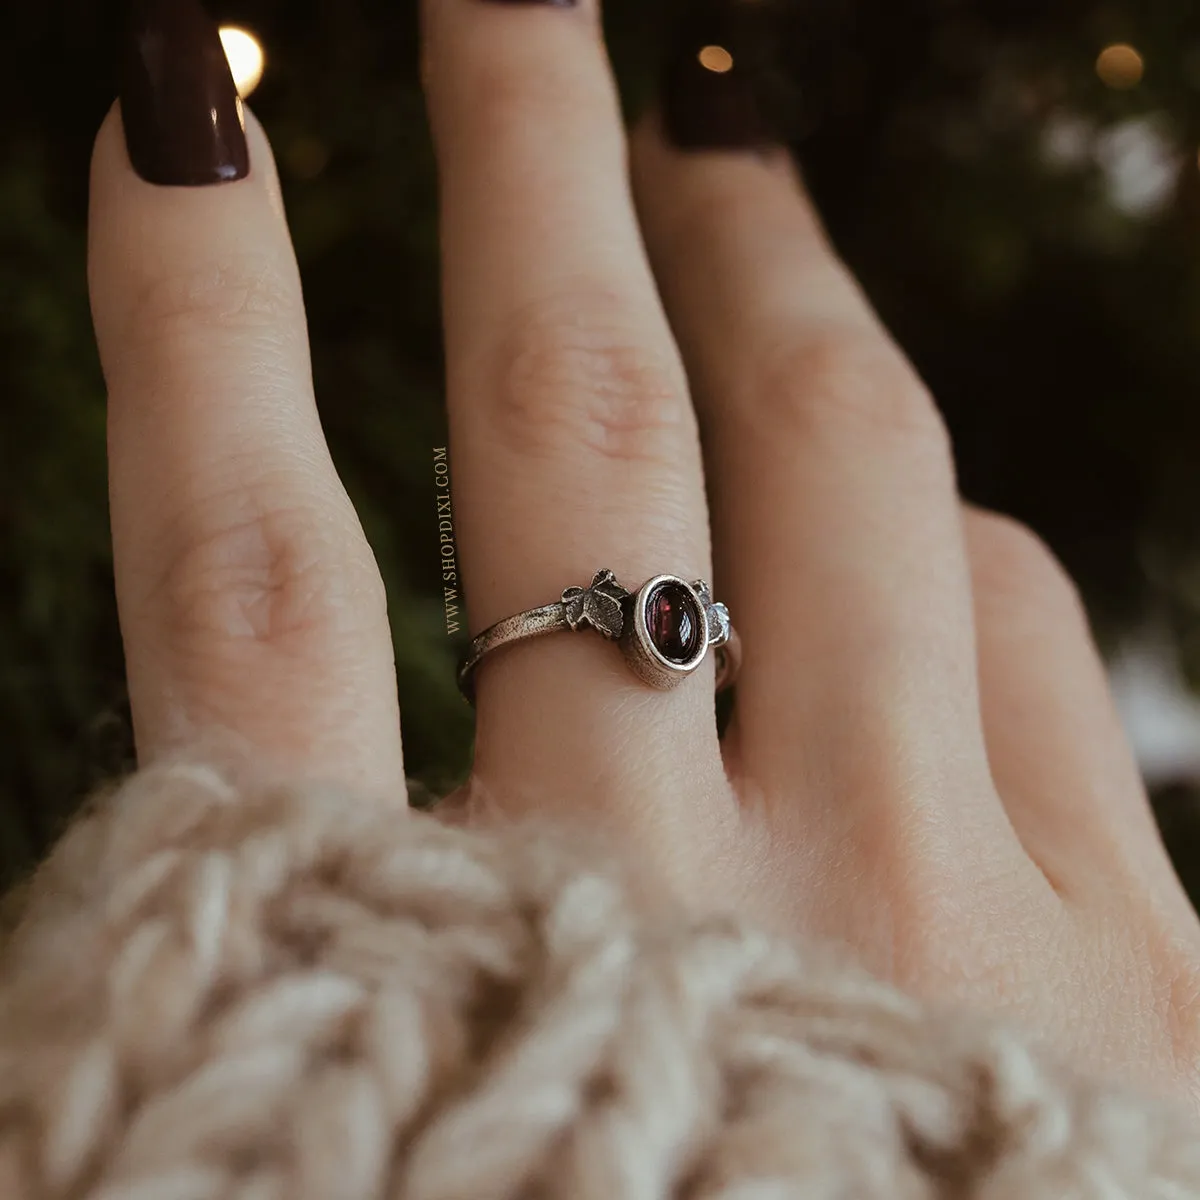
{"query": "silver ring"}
pixel 664 629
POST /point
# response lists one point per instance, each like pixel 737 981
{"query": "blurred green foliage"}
pixel 1057 330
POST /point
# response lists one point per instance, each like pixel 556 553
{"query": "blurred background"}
pixel 1016 183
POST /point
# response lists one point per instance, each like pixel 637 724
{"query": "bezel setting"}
pixel 662 644
pixel 638 641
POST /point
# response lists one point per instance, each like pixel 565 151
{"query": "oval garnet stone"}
pixel 673 621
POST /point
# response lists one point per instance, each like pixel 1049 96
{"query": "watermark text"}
pixel 447 552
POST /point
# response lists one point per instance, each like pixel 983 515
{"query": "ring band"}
pixel 664 629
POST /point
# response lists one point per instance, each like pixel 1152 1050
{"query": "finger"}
pixel 834 506
pixel 573 441
pixel 1058 753
pixel 250 603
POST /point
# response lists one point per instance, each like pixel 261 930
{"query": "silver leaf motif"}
pixel 597 606
pixel 719 626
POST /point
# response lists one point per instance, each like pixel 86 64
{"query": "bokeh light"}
pixel 246 59
pixel 1140 162
pixel 1120 67
pixel 716 58
pixel 307 157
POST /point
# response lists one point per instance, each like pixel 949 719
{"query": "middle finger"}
pixel 574 443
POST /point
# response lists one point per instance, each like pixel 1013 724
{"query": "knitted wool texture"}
pixel 258 991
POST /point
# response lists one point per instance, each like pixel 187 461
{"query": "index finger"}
pixel 250 602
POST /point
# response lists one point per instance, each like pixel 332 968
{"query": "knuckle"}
pixel 928 892
pixel 281 575
pixel 246 292
pixel 926 926
pixel 939 942
pixel 502 99
pixel 1166 962
pixel 928 938
pixel 842 386
pixel 1010 561
pixel 916 907
pixel 587 382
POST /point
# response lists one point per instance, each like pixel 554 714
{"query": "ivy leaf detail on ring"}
pixel 597 606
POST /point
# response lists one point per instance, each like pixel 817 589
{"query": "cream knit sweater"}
pixel 229 989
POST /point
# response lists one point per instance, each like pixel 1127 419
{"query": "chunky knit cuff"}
pixel 229 989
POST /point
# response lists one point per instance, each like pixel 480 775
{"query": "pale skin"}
pixel 924 760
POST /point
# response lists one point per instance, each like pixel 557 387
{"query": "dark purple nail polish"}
pixel 710 95
pixel 179 106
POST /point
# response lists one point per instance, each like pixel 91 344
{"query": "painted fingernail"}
pixel 183 118
pixel 709 97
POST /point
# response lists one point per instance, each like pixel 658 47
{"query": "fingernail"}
pixel 183 119
pixel 708 97
pixel 548 3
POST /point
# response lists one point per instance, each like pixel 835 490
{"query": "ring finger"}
pixel 574 445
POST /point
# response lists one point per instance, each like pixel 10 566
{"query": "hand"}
pixel 923 759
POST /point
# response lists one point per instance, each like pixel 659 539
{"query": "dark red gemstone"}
pixel 672 617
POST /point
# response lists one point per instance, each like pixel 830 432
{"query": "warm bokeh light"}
pixel 716 58
pixel 307 157
pixel 1120 67
pixel 246 59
